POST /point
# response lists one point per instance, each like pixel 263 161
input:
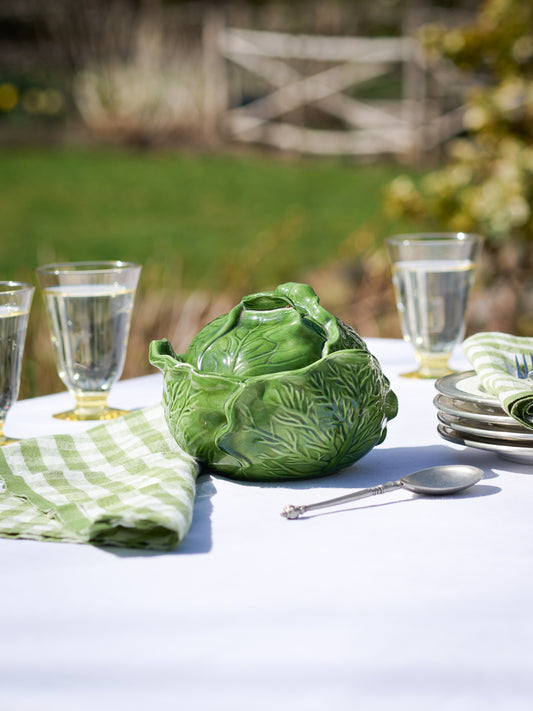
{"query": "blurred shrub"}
pixel 155 91
pixel 486 184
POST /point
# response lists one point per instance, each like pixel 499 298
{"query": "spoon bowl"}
pixel 434 481
pixel 444 479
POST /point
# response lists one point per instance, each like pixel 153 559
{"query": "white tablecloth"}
pixel 395 602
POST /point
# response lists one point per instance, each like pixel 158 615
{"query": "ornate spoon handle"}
pixel 291 511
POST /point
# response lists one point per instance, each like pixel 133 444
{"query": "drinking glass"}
pixel 15 302
pixel 89 307
pixel 432 275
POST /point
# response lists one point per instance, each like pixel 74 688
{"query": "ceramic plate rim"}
pixel 508 435
pixel 447 385
pixel 451 409
pixel 514 453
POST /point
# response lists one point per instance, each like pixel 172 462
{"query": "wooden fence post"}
pixel 415 88
pixel 215 74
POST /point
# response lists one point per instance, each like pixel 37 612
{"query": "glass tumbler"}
pixel 432 275
pixel 89 306
pixel 15 303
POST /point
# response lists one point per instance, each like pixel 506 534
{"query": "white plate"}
pixel 471 411
pixel 465 386
pixel 516 434
pixel 511 452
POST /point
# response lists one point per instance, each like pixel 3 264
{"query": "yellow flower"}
pixel 522 49
pixel 476 117
pixel 9 97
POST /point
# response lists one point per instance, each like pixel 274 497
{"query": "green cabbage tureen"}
pixel 277 388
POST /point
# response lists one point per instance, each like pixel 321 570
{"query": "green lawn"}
pixel 197 219
pixel 222 224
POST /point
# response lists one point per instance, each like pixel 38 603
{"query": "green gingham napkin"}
pixel 122 483
pixel 492 355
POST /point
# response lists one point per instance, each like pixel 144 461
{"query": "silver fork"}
pixel 523 371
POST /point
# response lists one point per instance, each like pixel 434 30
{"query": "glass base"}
pixel 107 413
pixel 91 407
pixel 428 376
pixel 3 439
pixel 430 367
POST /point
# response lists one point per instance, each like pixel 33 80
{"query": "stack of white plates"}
pixel 470 416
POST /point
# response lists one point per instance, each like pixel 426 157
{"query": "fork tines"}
pixel 522 369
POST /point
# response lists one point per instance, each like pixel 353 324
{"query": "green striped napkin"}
pixel 122 483
pixel 492 355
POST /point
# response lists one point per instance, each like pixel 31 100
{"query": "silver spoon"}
pixel 442 480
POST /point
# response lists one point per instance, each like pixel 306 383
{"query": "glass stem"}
pixel 88 405
pixel 433 365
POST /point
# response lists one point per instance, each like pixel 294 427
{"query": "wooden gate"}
pixel 407 126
